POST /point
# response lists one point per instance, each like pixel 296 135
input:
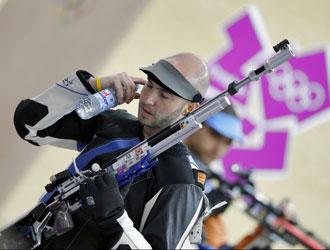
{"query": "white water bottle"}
pixel 92 105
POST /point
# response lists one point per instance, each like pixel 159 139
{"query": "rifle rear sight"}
pixel 281 45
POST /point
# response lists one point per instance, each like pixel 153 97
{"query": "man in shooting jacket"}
pixel 164 203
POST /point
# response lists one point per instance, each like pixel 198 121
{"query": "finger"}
pixel 132 92
pixel 125 189
pixel 125 91
pixel 131 96
pixel 130 87
pixel 134 88
pixel 99 183
pixel 137 96
pixel 86 188
pixel 119 90
pixel 83 190
pixel 110 180
pixel 139 80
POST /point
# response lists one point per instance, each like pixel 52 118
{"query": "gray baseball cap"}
pixel 166 75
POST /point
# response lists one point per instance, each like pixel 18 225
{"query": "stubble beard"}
pixel 162 121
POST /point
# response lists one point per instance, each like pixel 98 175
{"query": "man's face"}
pixel 158 107
pixel 209 145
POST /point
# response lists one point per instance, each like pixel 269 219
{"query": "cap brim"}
pixel 172 79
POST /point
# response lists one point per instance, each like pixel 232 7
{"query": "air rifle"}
pixel 275 222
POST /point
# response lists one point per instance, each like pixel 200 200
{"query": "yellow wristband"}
pixel 98 84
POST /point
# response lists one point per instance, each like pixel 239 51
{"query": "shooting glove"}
pixel 101 198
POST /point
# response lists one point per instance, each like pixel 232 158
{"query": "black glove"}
pixel 101 198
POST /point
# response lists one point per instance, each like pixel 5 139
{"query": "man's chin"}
pixel 207 160
pixel 145 122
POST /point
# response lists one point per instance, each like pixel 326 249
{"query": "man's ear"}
pixel 191 107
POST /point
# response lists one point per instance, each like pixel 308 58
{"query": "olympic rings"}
pixel 293 87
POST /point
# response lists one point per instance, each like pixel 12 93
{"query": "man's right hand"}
pixel 101 198
pixel 123 84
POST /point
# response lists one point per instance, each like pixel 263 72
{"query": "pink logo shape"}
pixel 270 156
pixel 297 88
pixel 227 67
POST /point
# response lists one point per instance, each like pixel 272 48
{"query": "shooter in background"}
pixel 207 145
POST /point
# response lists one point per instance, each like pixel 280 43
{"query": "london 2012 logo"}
pixel 283 103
